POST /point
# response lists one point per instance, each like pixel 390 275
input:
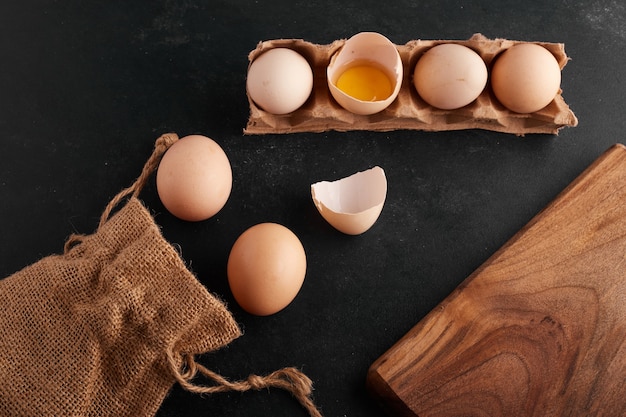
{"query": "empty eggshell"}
pixel 366 48
pixel 352 204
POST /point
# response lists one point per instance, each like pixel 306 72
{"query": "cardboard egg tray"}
pixel 409 112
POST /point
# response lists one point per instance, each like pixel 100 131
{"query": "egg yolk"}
pixel 365 82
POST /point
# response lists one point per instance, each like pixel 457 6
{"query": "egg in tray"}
pixel 434 85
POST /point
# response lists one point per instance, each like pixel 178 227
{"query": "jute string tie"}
pixel 289 379
pixel 161 145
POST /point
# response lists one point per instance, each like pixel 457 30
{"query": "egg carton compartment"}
pixel 321 112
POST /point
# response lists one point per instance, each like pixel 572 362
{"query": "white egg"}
pixel 279 81
pixel 449 76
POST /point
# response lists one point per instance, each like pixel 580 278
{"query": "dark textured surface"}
pixel 86 87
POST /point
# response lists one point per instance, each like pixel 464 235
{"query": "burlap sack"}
pixel 107 328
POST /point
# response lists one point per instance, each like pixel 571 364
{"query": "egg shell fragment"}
pixel 352 204
pixel 365 47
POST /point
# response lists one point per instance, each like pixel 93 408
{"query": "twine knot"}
pixel 290 379
pixel 256 382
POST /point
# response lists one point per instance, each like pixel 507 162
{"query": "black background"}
pixel 87 86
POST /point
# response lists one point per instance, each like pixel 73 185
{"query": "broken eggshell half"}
pixel 365 47
pixel 352 204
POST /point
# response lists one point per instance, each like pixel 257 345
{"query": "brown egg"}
pixel 266 268
pixel 194 178
pixel 526 77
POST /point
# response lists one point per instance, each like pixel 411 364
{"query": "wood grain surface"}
pixel 539 329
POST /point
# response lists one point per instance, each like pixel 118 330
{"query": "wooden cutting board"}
pixel 539 329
